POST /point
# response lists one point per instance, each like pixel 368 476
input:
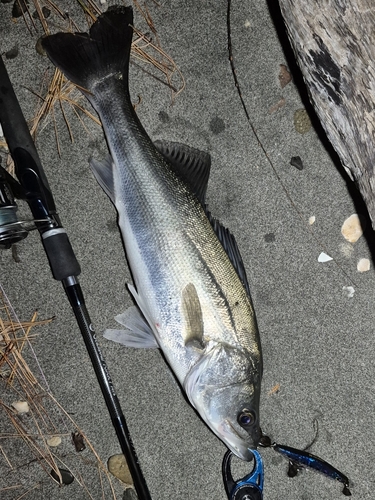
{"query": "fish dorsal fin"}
pixel 192 313
pixel 191 165
pixel 103 172
pixel 230 246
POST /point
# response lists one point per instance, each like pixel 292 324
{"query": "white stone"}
pixel 54 441
pixel 323 257
pixel 363 265
pixel 352 229
pixel 21 407
pixel 349 290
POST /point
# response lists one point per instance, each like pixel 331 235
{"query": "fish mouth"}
pixel 241 447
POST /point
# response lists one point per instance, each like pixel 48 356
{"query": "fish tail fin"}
pixel 87 58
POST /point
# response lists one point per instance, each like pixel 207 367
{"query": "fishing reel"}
pixel 11 229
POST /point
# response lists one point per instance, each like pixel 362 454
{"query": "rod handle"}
pixel 62 261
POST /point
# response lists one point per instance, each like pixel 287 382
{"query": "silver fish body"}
pixel 189 291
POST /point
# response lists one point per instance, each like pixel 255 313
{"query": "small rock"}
pixel 284 76
pixel 349 290
pixel 45 11
pixel 363 265
pixel 311 220
pixel 323 257
pixel 78 441
pixel 12 53
pixel 296 161
pixel 66 476
pixel 39 47
pixel 278 105
pixel 302 122
pixel 118 466
pixel 269 237
pixel 352 228
pixel 19 8
pixel 54 441
pixel 21 407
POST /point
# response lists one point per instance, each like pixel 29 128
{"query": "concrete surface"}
pixel 317 342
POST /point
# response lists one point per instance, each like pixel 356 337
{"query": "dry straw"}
pixel 24 437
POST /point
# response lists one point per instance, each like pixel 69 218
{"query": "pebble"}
pixel 363 265
pixel 21 407
pixel 54 441
pixel 118 466
pixel 302 122
pixel 45 11
pixel 349 290
pixel 312 220
pixel 296 161
pixel 284 76
pixel 278 105
pixel 352 229
pixel 39 47
pixel 323 257
pixel 66 476
pixel 12 53
pixel 78 441
pixel 19 8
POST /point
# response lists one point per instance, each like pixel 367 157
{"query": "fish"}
pixel 189 283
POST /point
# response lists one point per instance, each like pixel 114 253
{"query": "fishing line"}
pixel 252 127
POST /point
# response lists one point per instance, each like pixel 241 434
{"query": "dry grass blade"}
pixel 159 60
pixel 24 437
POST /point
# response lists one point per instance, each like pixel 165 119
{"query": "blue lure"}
pixel 300 459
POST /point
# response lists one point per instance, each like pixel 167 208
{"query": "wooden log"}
pixel 334 43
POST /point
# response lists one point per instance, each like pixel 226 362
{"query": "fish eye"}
pixel 246 418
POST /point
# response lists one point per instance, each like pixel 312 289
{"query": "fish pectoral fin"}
pixel 103 172
pixel 138 332
pixel 229 243
pixel 191 165
pixel 193 318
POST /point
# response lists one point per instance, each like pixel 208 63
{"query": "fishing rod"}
pixel 33 187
